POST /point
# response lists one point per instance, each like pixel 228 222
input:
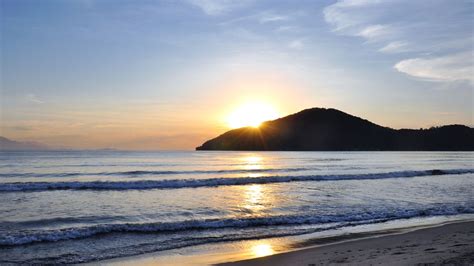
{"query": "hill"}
pixel 11 145
pixel 320 129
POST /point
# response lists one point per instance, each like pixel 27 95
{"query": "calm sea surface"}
pixel 71 207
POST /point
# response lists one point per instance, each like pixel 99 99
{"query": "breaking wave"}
pixel 22 238
pixel 152 172
pixel 213 182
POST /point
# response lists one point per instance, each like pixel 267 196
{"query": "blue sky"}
pixel 163 74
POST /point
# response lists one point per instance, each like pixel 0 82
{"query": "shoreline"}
pixel 243 252
pixel 448 243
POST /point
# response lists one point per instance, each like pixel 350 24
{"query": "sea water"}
pixel 85 206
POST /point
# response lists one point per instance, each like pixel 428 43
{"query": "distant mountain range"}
pixel 11 145
pixel 320 129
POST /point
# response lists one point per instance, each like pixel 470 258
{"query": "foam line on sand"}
pixel 449 244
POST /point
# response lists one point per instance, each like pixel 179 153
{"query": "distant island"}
pixel 320 129
pixel 12 145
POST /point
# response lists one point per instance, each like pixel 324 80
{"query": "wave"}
pixel 213 182
pixel 59 221
pixel 22 238
pixel 163 172
pixel 157 164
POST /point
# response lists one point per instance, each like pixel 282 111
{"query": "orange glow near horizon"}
pixel 251 114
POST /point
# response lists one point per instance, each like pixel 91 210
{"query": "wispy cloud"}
pixel 19 128
pixel 340 17
pixel 296 44
pixel 457 67
pixel 440 44
pixel 265 16
pixel 286 28
pixel 269 16
pixel 218 7
pixel 375 32
pixel 395 47
pixel 358 18
pixel 33 99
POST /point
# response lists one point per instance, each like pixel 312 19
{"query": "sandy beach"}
pixel 450 244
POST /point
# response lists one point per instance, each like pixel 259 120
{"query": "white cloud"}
pixel 286 29
pixel 375 32
pixel 339 16
pixel 352 18
pixel 267 16
pixel 271 17
pixel 457 67
pixel 401 26
pixel 395 47
pixel 296 44
pixel 218 7
pixel 33 99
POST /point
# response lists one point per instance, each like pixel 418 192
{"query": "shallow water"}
pixel 86 206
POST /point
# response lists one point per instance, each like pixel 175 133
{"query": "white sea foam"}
pixel 157 172
pixel 213 182
pixel 21 238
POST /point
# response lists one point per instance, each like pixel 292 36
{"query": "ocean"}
pixel 88 206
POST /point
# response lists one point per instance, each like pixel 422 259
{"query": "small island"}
pixel 321 129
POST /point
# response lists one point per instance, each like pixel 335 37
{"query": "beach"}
pixel 449 244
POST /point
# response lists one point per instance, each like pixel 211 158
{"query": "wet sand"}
pixel 450 244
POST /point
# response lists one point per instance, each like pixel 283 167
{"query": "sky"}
pixel 149 75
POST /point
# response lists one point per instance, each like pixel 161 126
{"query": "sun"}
pixel 251 114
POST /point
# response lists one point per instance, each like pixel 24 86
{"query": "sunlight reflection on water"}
pixel 253 162
pixel 253 198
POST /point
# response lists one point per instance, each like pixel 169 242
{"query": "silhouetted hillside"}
pixel 320 129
